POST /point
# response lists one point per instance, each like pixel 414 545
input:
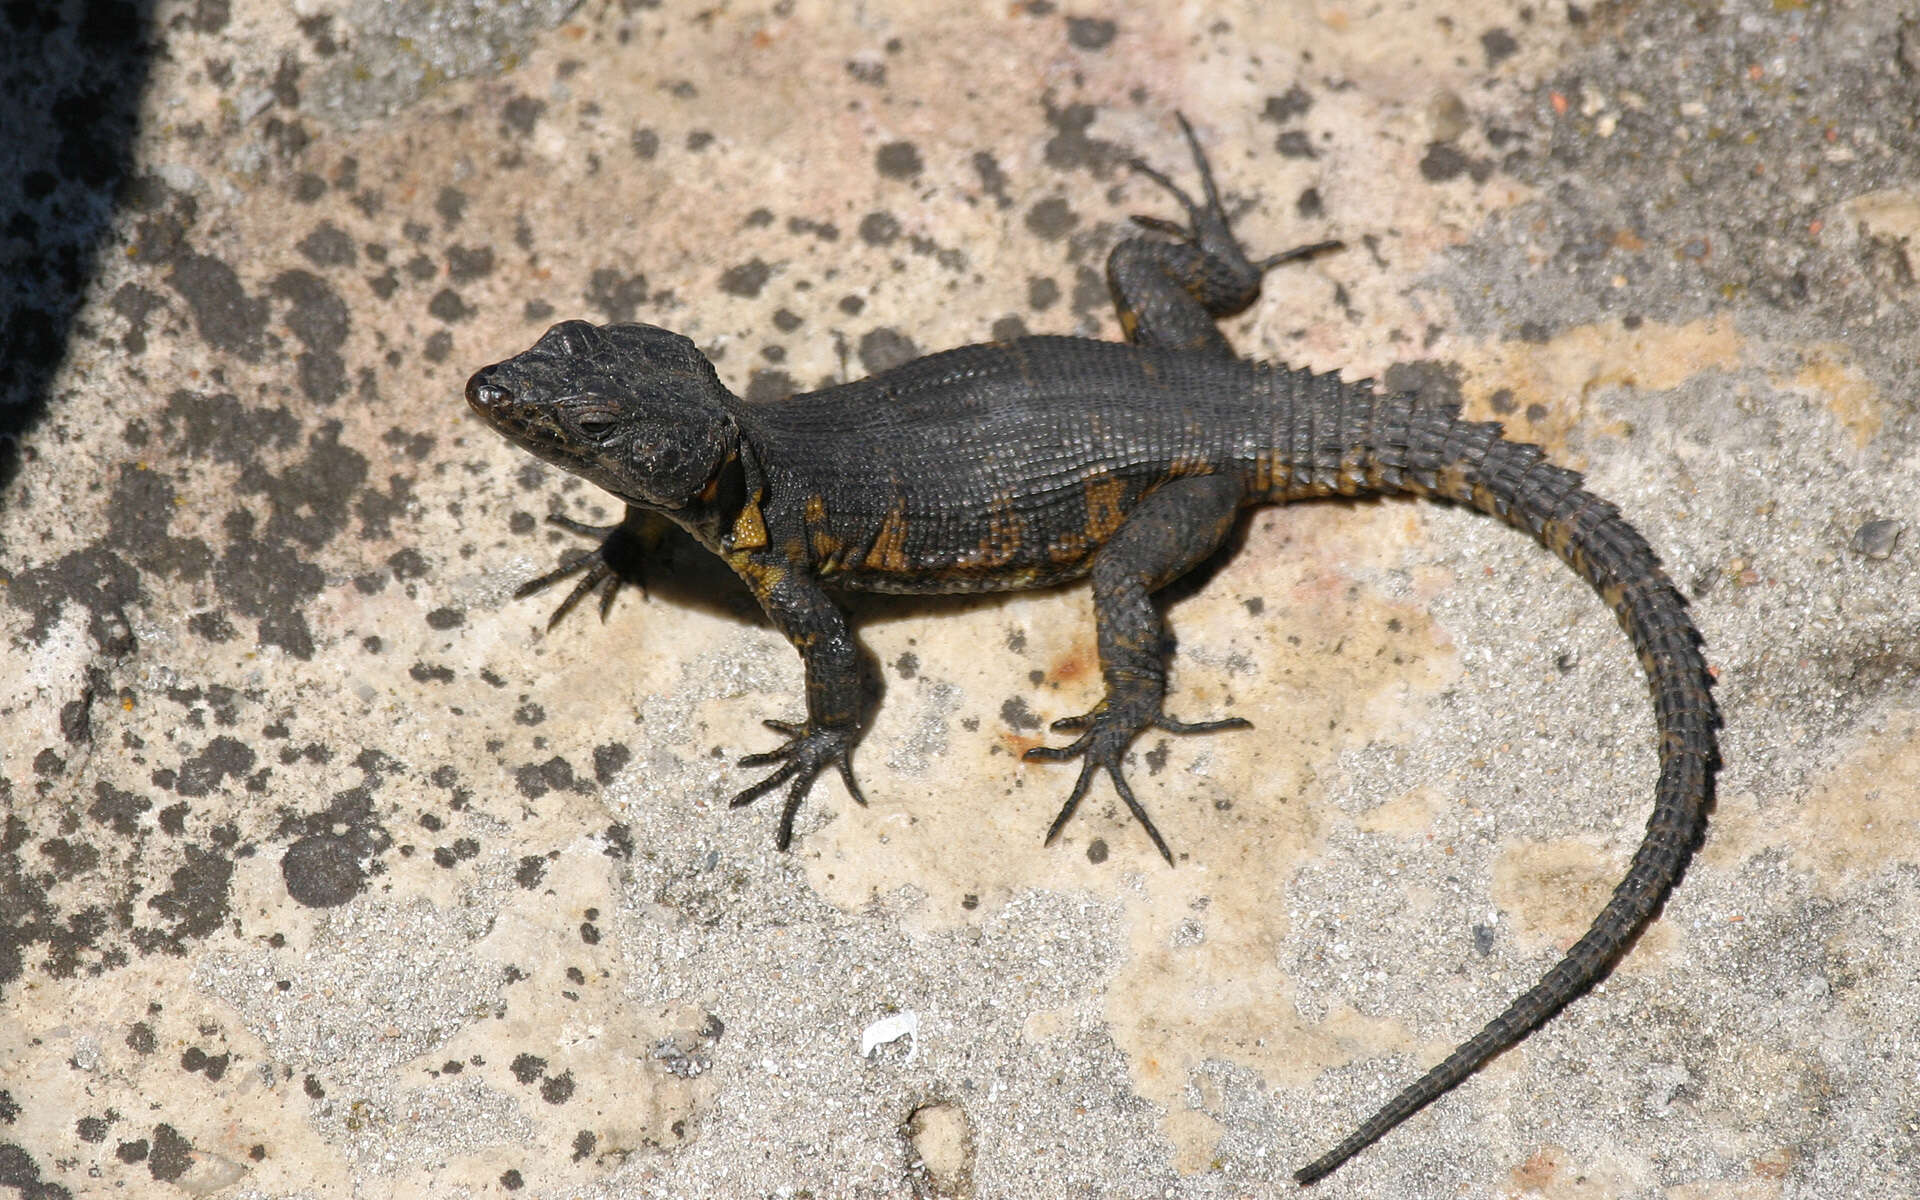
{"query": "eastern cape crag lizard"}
pixel 1026 463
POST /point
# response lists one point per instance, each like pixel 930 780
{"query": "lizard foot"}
pixel 1207 228
pixel 1105 735
pixel 808 752
pixel 614 563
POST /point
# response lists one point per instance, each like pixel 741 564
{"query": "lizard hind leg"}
pixel 1172 530
pixel 1169 293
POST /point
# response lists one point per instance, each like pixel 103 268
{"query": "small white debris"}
pixel 891 1029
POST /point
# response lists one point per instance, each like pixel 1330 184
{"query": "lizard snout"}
pixel 486 396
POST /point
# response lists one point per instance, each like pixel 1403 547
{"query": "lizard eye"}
pixel 594 418
pixel 594 425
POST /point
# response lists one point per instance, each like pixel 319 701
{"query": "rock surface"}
pixel 325 873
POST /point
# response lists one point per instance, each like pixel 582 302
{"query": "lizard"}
pixel 1030 462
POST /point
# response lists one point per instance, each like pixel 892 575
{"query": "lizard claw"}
pixel 1101 759
pixel 1207 227
pixel 1107 734
pixel 806 753
pixel 608 567
pixel 1163 721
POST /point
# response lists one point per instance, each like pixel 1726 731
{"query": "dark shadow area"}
pixel 71 76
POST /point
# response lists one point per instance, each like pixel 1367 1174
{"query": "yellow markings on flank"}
pixel 749 528
pixel 889 549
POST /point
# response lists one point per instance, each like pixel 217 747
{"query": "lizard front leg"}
pixel 1174 529
pixel 618 560
pixel 801 610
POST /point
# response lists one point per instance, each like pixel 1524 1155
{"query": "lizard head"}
pixel 633 408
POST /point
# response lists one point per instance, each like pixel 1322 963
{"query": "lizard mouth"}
pixel 522 419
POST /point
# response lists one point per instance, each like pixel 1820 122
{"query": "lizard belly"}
pixel 923 544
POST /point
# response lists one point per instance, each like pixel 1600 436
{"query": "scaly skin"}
pixel 1028 463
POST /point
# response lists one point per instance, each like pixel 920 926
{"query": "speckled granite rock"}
pixel 325 873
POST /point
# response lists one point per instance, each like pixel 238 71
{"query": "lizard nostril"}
pixel 484 394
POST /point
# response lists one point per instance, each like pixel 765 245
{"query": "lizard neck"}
pixel 725 516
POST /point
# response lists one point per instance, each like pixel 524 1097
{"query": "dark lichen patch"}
pixel 193 906
pixel 1499 45
pixel 139 519
pixel 1430 379
pixel 97 580
pixel 519 114
pixel 18 1170
pixel 462 850
pixel 227 317
pixel 68 859
pixel 1051 219
pixel 377 509
pixel 318 318
pixel 535 780
pixel 268 581
pixel 336 849
pixel 221 759
pixel 1090 33
pixel 619 842
pixel 531 871
pixel 615 294
pixel 1283 108
pixel 118 810
pixel 219 427
pixel 198 1061
pixel 1017 715
pixel 328 246
pixel 879 229
pixel 993 180
pixel 885 348
pixel 28 917
pixel 311 499
pixel 558 1089
pixel 1295 143
pixel 448 306
pixel 172 1154
pixel 527 1068
pixel 465 263
pixel 608 760
pixel 323 871
pixel 1070 148
pixel 899 160
pixel 1443 162
pixel 451 205
pixel 134 304
pixel 747 279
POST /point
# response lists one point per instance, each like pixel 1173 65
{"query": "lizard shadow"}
pixel 681 573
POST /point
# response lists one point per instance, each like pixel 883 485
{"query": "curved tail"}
pixel 1357 443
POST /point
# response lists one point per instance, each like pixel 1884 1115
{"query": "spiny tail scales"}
pixel 1344 439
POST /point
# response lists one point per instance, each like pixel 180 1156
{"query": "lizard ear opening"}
pixel 680 460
